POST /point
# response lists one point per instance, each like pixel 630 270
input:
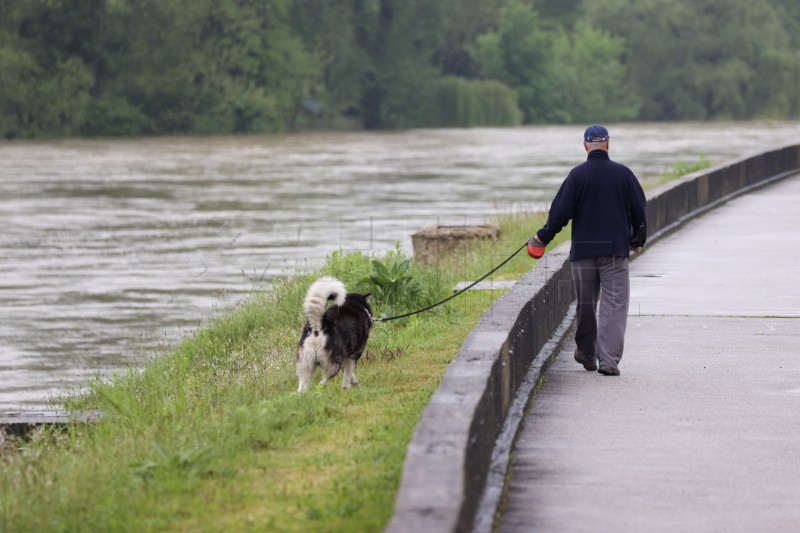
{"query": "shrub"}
pixel 458 102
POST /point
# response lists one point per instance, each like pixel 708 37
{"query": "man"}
pixel 606 204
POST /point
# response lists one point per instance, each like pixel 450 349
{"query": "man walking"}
pixel 606 204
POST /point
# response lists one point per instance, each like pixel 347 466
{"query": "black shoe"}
pixel 589 365
pixel 608 370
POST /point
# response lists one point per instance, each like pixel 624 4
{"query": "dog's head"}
pixel 360 299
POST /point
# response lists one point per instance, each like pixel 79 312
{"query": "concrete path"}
pixel 701 432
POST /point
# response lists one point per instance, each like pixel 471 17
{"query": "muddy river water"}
pixel 111 249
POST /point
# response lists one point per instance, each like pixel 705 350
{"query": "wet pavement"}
pixel 701 432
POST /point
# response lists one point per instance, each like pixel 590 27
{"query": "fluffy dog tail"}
pixel 317 297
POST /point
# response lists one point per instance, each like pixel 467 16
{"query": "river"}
pixel 111 250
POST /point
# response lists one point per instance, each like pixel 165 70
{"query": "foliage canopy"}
pixel 139 67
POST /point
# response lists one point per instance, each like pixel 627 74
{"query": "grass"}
pixel 675 171
pixel 210 436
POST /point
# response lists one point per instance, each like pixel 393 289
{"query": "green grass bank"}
pixel 212 437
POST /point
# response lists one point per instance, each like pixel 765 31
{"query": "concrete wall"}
pixel 679 200
pixel 450 452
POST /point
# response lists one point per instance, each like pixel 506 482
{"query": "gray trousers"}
pixel 601 329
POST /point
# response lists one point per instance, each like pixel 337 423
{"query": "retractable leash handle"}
pixel 535 248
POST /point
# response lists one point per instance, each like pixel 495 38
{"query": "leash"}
pixel 465 289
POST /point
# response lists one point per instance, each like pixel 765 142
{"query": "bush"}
pixel 116 116
pixel 458 102
pixel 35 100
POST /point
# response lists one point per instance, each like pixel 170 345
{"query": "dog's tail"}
pixel 317 297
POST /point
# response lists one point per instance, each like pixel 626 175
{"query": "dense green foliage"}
pixel 132 67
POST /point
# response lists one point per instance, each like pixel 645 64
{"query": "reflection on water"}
pixel 111 248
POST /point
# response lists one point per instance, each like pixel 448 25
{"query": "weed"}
pixel 194 461
pixel 394 284
pixel 677 170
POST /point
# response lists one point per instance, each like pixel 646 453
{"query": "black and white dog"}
pixel 334 337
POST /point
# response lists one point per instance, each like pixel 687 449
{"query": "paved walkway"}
pixel 701 432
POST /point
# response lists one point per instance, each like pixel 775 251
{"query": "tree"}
pixel 695 59
pixel 788 12
pixel 40 92
pixel 132 67
pixel 591 79
pixel 462 21
pixel 339 65
pixel 251 70
pixel 383 59
pixel 520 54
pixel 397 40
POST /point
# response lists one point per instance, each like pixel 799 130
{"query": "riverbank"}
pixel 211 436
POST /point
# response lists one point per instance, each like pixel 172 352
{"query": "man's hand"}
pixel 638 241
pixel 535 247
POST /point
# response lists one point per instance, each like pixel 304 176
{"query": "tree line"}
pixel 144 67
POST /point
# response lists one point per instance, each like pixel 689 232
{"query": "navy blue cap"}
pixel 595 133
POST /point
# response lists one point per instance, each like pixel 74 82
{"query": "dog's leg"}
pixel 305 369
pixel 347 372
pixel 303 381
pixel 349 378
pixel 353 379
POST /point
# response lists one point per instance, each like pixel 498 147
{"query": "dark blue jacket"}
pixel 606 205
